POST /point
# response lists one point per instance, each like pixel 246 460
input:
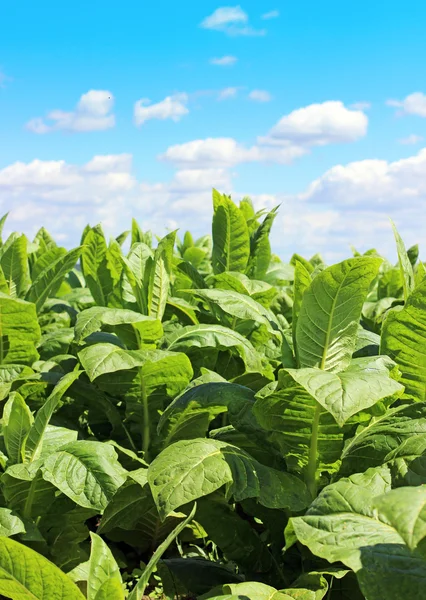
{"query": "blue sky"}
pixel 114 110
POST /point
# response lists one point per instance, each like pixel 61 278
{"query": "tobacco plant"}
pixel 199 419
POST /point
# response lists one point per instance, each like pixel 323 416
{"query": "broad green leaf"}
pixel 14 264
pixel 302 281
pixel 93 319
pixel 255 591
pixel 420 274
pixel 370 542
pixel 26 491
pixel 189 415
pixel 134 281
pixel 405 265
pixel 103 572
pixel 19 331
pixel 188 470
pixel 330 312
pixel 87 472
pixel 231 241
pixel 2 222
pixel 159 276
pixel 140 587
pixel 374 442
pixel 404 340
pixel 239 306
pixel 215 336
pixel 260 247
pixel 27 575
pixel 404 509
pixel 365 382
pixel 287 414
pixel 17 422
pixel 10 523
pixel 34 441
pixel 48 281
pixel 96 267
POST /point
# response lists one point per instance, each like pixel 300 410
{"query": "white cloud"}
pixel 229 92
pixel 224 61
pixel 272 14
pixel 173 107
pixel 225 152
pixel 348 204
pixel 231 20
pixel 260 96
pixel 360 105
pixel 373 184
pixel 414 104
pixel 318 125
pixel 91 114
pixel 411 139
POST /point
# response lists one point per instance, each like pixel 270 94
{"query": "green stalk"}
pixel 146 434
pixel 311 469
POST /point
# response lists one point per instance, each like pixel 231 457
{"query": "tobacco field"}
pixel 196 419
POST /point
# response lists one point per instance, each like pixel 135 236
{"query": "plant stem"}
pixel 145 423
pixel 311 468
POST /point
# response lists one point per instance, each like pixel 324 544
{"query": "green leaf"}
pixel 14 264
pixel 19 331
pixel 34 441
pixel 255 591
pixel 26 491
pixel 215 336
pixel 189 415
pixel 231 241
pixel 373 443
pixel 27 575
pixel 287 414
pixel 96 266
pixel 188 470
pixel 10 524
pixel 139 589
pixel 302 281
pixel 330 312
pixel 368 541
pixel 365 382
pixel 93 319
pixel 2 222
pixel 49 280
pixel 17 422
pixel 103 572
pixel 159 276
pixel 405 265
pixel 404 340
pixel 135 283
pixel 87 472
pixel 240 306
pixel 260 247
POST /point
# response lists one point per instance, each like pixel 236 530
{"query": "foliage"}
pixel 198 419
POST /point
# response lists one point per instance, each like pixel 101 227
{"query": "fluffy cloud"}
pixel 225 152
pixel 92 113
pixel 224 61
pixel 260 96
pixel 272 14
pixel 65 197
pixel 231 20
pixel 414 104
pixel 348 204
pixel 173 107
pixel 318 125
pixel 411 139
